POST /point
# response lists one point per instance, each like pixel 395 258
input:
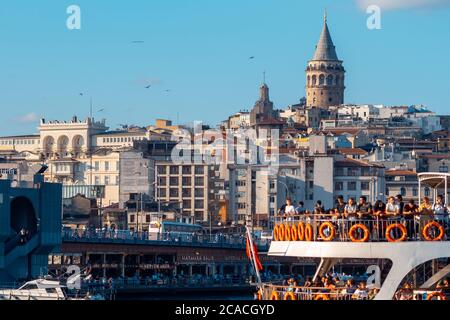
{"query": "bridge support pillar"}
pixel 123 266
pixel 104 264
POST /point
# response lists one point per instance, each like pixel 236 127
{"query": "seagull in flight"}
pixel 168 90
pixel 138 41
pixel 101 110
pixel 81 94
pixel 251 58
pixel 148 87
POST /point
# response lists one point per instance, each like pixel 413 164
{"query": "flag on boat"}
pixel 257 262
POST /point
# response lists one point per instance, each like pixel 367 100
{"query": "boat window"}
pixel 50 290
pixel 30 287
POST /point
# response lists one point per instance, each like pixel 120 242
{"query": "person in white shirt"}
pixel 362 293
pixel 392 209
pixel 351 210
pixel 289 210
pixel 439 209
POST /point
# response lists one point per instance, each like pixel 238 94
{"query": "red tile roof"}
pixel 400 173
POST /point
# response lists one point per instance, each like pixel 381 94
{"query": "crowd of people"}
pixel 333 287
pixel 394 208
pixel 414 217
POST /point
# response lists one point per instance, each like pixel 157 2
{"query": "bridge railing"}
pixel 170 238
pixel 361 229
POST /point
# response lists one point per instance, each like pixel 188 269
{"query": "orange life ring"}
pixel 426 229
pixel 275 296
pixel 281 232
pixel 276 232
pixel 290 296
pixel 294 233
pixel 308 232
pixel 399 226
pixel 301 231
pixel 321 297
pixel 287 233
pixel 439 295
pixel 259 295
pixel 332 229
pixel 359 226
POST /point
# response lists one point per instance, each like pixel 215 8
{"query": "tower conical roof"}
pixel 325 49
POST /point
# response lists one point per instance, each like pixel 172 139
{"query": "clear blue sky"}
pixel 199 49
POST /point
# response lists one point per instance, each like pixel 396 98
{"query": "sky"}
pixel 195 55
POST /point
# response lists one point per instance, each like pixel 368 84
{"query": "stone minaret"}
pixel 325 75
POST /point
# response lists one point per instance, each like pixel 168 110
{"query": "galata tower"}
pixel 325 74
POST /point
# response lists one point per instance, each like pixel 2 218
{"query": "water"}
pixel 187 297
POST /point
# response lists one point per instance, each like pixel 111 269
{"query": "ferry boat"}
pixel 393 250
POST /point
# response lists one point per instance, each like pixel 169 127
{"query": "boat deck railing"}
pixel 278 292
pixel 331 228
pixel 232 241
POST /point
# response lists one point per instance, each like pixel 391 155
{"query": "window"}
pixel 199 181
pixel 339 172
pixel 174 170
pixel 106 165
pixel 351 186
pixel 365 186
pixel 97 166
pixel 199 170
pixel 339 186
pixel 162 181
pixel 443 169
pixel 162 170
pixel 117 180
pixel 187 181
pixel 427 192
pixel 147 218
pixel 241 206
pixel 174 193
pixel 187 204
pixel 132 218
pixel 311 184
pixel 174 181
pixel 187 170
pixel 199 193
pixel 107 181
pixel 97 180
pixel 187 193
pixel 415 192
pixel 199 204
pixel 403 192
pixel 117 165
pixel 352 172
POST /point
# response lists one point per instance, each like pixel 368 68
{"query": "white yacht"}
pixel 43 289
pixel 393 250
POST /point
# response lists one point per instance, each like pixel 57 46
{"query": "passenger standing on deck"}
pixel 409 213
pixel 300 208
pixel 392 209
pixel 340 206
pixel 350 211
pixel 439 209
pixel 364 208
pixel 289 210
